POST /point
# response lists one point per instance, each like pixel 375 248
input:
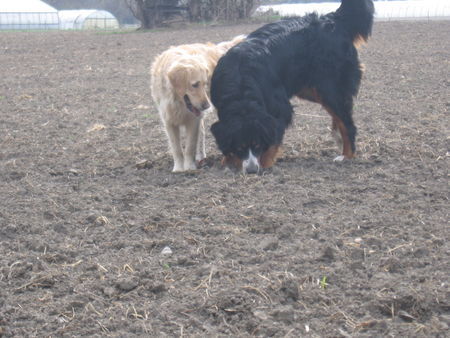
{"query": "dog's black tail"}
pixel 357 18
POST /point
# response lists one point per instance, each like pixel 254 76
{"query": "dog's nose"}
pixel 251 168
pixel 205 105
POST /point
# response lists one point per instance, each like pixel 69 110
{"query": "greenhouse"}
pixel 384 10
pixel 87 19
pixel 27 14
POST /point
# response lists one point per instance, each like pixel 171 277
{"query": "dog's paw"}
pixel 200 157
pixel 177 168
pixel 190 166
pixel 339 158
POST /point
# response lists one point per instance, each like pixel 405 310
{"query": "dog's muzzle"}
pixel 251 164
pixel 197 112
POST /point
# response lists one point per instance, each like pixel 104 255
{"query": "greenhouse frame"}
pixel 27 14
pixel 37 15
pixel 87 19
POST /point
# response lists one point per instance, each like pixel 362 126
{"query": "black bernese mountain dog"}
pixel 313 57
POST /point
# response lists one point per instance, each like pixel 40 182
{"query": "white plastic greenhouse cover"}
pixel 87 19
pixel 383 9
pixel 27 14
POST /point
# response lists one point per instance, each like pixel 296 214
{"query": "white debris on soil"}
pixel 166 251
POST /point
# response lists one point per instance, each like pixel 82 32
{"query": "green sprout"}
pixel 323 282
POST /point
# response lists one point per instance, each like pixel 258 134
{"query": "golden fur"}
pixel 180 79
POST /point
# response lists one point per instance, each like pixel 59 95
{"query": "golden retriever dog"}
pixel 180 79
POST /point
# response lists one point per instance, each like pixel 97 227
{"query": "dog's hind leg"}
pixel 340 109
pixel 335 133
pixel 343 122
pixel 173 133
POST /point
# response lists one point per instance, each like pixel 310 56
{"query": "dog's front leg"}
pixel 201 147
pixel 173 133
pixel 192 139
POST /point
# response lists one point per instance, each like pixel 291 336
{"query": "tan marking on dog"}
pixel 269 157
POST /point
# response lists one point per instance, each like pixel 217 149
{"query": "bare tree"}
pixel 221 10
pixel 152 13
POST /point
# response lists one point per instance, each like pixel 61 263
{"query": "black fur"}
pixel 253 82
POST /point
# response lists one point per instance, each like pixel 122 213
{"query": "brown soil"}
pixel 309 248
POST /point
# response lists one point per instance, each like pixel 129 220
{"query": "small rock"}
pixel 328 255
pixel 392 265
pixel 270 243
pixel 157 288
pixel 421 252
pixel 184 261
pixel 284 314
pixel 144 164
pixel 127 284
pixel 91 218
pixel 166 251
pixel 49 215
pixel 289 288
pixel 261 315
pixel 357 265
pixel 109 291
pixel 73 172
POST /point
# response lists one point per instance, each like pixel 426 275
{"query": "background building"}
pixel 27 14
pixel 87 19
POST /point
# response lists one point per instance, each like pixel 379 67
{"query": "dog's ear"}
pixel 210 64
pixel 268 130
pixel 222 134
pixel 177 75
